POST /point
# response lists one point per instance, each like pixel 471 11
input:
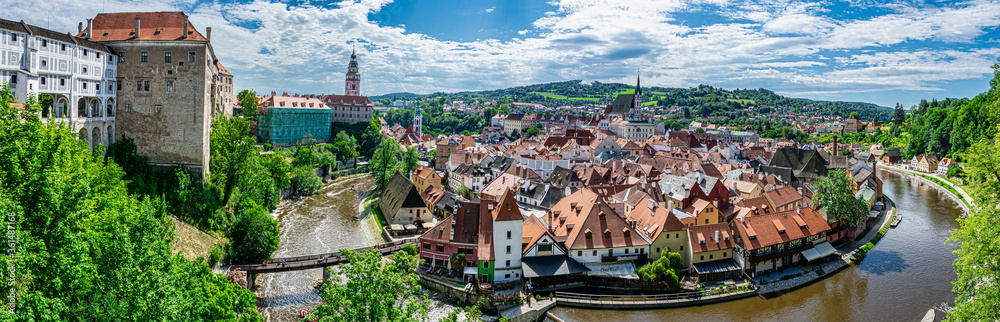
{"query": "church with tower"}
pixel 350 107
pixel 626 119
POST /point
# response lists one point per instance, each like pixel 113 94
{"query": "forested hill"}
pixel 703 100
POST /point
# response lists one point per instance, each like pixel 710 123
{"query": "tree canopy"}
pixel 87 249
pixel 369 288
pixel 833 192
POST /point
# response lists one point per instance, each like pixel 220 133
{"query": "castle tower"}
pixel 637 104
pixel 418 124
pixel 352 85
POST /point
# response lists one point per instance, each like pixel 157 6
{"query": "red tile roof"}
pixel 348 100
pixel 581 212
pixel 152 26
pixel 506 209
pixel 783 196
pixel 777 228
pixel 703 238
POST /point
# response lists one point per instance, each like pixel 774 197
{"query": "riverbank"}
pixel 961 197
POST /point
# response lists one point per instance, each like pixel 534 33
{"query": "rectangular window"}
pixel 128 107
pixel 43 80
pixel 508 264
pixel 508 234
pixel 145 86
pixel 427 246
pixel 44 63
pixel 84 71
pixel 63 47
pixel 626 251
pixel 45 42
pixel 157 108
pixel 166 57
pixel 13 79
pixel 85 52
pixel 62 82
pixel 508 249
pixel 84 85
pixel 544 248
pixel 170 86
pixel 440 248
pixel 486 264
pixel 138 86
pixel 144 56
pixel 119 86
pixel 192 57
pixel 13 37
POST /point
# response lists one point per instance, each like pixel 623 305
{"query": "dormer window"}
pixel 589 235
pixel 627 234
pixel 607 234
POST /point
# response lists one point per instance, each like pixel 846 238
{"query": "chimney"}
pixel 79 28
pixel 185 35
pixel 273 93
pixel 716 236
pixel 670 206
pixel 136 27
pixel 90 27
pixel 208 33
pixel 835 145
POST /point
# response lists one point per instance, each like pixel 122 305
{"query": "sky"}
pixel 878 51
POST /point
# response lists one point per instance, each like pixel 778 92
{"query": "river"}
pixel 907 273
pixel 324 224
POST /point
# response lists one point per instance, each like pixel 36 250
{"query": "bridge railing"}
pixel 384 248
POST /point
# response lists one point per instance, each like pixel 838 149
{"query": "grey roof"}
pixel 554 265
pixel 716 266
pixel 803 164
pixel 622 104
pixel 449 202
pixel 500 164
pixel 561 176
pixel 893 153
pixel 515 117
pixel 399 193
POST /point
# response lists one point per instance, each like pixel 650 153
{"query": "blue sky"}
pixel 855 50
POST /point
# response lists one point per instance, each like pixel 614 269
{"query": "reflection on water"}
pixel 908 273
pixel 325 224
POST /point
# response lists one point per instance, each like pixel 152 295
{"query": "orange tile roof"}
pixel 506 209
pixel 767 228
pixel 152 26
pixel 581 212
pixel 703 238
pixel 783 196
pixel 654 221
pixel 533 230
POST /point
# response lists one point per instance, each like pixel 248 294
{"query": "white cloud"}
pixel 490 9
pixel 789 46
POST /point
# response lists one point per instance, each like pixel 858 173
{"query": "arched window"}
pixel 81 108
pixel 110 107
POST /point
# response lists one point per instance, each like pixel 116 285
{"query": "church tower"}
pixel 637 103
pixel 418 124
pixel 352 85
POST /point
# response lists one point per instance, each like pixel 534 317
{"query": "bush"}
pixel 254 235
pixel 305 181
pixel 268 146
pixel 411 249
pixel 216 256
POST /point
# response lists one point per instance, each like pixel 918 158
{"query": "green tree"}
pixel 369 288
pixel 898 115
pixel 279 170
pixel 248 102
pixel 463 191
pixel 304 157
pixel 231 146
pixel 411 159
pixel 385 162
pixel 977 266
pixel 305 181
pixel 255 235
pixel 663 269
pixel 531 132
pixel 833 192
pixel 85 248
pixel 854 115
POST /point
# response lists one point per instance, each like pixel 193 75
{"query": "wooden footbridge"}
pixel 288 264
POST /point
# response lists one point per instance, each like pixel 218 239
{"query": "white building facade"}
pixel 79 75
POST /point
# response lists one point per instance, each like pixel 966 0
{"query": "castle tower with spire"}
pixel 352 85
pixel 418 124
pixel 637 103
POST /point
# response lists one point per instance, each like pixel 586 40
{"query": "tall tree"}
pixel 385 162
pixel 977 265
pixel 231 146
pixel 854 115
pixel 833 192
pixel 85 249
pixel 898 115
pixel 411 159
pixel 248 102
pixel 372 289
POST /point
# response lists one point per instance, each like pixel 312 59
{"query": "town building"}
pixel 768 242
pixel 401 203
pixel 168 81
pixel 350 107
pixel 79 74
pixel 424 177
pixel 285 120
pixel 352 82
pixel 517 123
pixel 711 252
pixel 456 234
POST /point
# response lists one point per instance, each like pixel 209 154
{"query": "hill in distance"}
pixel 394 95
pixel 703 100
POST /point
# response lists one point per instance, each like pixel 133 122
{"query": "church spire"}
pixel 637 102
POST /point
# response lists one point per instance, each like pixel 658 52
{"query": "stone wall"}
pixel 171 122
